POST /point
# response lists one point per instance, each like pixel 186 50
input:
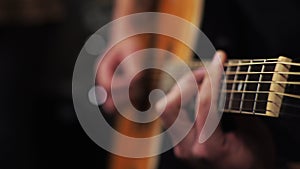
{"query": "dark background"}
pixel 38 126
pixel 38 50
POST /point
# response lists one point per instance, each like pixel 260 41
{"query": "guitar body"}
pixel 189 10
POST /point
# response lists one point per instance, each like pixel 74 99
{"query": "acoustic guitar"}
pixel 265 87
pixel 129 128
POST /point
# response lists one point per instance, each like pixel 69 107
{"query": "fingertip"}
pixel 109 106
pixel 199 74
pixel 221 55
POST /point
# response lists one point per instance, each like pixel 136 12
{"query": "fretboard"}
pixel 258 86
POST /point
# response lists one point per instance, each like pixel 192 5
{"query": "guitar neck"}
pixel 259 86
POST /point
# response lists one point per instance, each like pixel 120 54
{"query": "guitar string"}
pixel 229 64
pixel 253 73
pixel 265 101
pixel 263 114
pixel 264 92
pixel 251 81
pixel 267 82
pixel 257 73
pixel 262 63
pixel 256 111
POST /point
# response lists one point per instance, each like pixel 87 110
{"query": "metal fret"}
pixel 233 87
pixel 244 88
pixel 226 94
pixel 258 87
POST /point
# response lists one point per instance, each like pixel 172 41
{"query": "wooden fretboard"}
pixel 257 86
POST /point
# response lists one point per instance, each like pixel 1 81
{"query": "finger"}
pixel 106 69
pixel 104 76
pixel 210 135
pixel 109 104
pixel 112 59
pixel 183 89
pixel 111 81
pixel 119 93
pixel 208 117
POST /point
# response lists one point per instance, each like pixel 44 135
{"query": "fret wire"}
pixel 244 87
pixel 226 87
pixel 233 87
pixel 257 88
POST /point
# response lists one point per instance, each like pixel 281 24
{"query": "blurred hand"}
pixel 223 150
pixel 107 67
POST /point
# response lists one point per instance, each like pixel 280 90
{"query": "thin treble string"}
pixel 248 62
pixel 267 82
pixel 257 73
pixel 260 63
pixel 230 64
pixel 251 100
pixel 266 101
pixel 264 92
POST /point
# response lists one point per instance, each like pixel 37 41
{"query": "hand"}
pixel 224 150
pixel 107 67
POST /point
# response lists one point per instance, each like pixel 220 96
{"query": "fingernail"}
pixel 217 56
